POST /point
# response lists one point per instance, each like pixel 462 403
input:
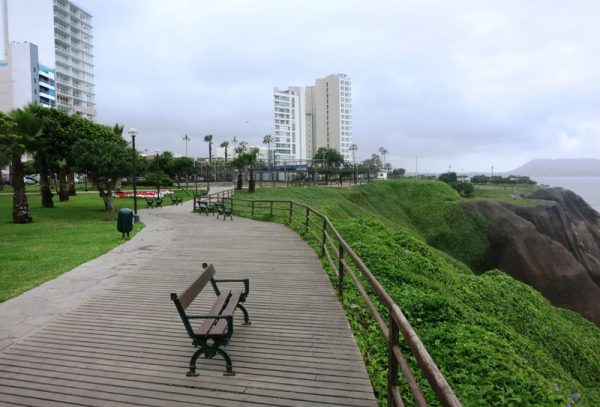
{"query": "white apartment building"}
pixel 307 118
pixel 63 33
pixel 289 131
pixel 23 80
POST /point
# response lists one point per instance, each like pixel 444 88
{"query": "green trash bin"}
pixel 125 221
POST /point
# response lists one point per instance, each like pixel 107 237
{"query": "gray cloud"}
pixel 466 83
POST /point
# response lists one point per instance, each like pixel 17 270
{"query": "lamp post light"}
pixel 157 173
pixel 136 218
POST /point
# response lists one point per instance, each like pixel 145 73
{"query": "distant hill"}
pixel 562 167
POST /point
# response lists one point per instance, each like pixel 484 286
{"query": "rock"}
pixel 553 247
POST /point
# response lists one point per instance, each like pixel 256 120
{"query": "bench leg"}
pixel 210 352
pixel 246 317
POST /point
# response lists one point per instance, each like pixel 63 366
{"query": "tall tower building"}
pixel 331 110
pixel 62 32
pixel 74 59
pixel 311 117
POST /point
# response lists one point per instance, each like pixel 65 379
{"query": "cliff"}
pixel 553 246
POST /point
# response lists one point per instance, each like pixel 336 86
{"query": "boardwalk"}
pixel 122 342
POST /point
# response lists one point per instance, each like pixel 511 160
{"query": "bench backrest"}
pixel 187 297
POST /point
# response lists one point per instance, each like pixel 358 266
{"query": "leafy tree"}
pixel 104 156
pixel 397 173
pixel 209 139
pixel 181 167
pixel 448 177
pixel 56 141
pixel 19 133
pixel 225 145
pixel 4 161
pixel 245 159
pixel 333 158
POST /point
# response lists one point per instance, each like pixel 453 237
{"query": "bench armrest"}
pixel 246 282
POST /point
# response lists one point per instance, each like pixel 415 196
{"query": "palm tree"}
pixel 209 139
pixel 383 153
pixel 268 139
pixel 18 138
pixel 225 145
pixel 354 149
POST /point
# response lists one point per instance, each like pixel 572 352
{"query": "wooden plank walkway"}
pixel 125 345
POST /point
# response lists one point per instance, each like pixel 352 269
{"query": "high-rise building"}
pixel 74 59
pixel 63 34
pixel 23 80
pixel 311 117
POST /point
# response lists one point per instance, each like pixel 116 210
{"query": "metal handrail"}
pixel 398 324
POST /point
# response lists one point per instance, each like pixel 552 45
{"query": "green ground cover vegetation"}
pixel 58 240
pixel 497 341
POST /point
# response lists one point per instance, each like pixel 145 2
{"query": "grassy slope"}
pixel 59 239
pixel 497 341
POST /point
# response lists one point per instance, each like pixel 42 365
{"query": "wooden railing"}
pixel 344 261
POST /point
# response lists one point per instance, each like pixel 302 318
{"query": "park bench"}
pixel 216 328
pixel 223 210
pixel 158 202
pixel 149 202
pixel 176 200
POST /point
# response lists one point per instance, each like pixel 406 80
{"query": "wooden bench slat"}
pixel 192 291
pixel 207 324
pixel 221 325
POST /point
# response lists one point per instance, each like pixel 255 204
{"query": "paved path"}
pixel 107 333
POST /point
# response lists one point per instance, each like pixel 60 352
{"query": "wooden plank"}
pixel 186 298
pixel 127 345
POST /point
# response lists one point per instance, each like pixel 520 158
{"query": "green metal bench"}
pixel 158 202
pixel 217 328
pixel 176 200
pixel 149 202
pixel 224 211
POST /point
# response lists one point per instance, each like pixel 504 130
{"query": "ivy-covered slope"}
pixel 497 341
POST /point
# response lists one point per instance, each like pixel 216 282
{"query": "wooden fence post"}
pixel 306 220
pixel 252 211
pixel 392 361
pixel 341 271
pixel 290 217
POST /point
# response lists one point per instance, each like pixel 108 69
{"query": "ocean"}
pixel 586 187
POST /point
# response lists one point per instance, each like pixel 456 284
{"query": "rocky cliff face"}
pixel 553 246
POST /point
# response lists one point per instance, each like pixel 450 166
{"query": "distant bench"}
pixel 217 328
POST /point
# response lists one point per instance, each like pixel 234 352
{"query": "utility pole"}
pixel 186 139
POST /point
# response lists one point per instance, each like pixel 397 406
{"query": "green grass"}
pixel 60 239
pixel 516 195
pixel 497 341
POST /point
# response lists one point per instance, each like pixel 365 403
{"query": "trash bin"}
pixel 125 221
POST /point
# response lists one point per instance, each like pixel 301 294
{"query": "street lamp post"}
pixel 136 217
pixel 353 148
pixel 157 173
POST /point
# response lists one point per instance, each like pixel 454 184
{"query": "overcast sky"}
pixel 466 84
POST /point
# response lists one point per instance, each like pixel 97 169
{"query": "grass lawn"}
pixel 59 239
pixel 506 193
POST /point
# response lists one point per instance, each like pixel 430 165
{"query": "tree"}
pixel 245 159
pixel 209 139
pixel 397 173
pixel 19 133
pixel 181 167
pixel 268 139
pixel 105 158
pixel 4 161
pixel 383 153
pixel 58 136
pixel 225 145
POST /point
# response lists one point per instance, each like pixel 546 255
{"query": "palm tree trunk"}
pixel 20 208
pixel 45 191
pixel 251 181
pixel 71 180
pixel 63 185
pixel 240 181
